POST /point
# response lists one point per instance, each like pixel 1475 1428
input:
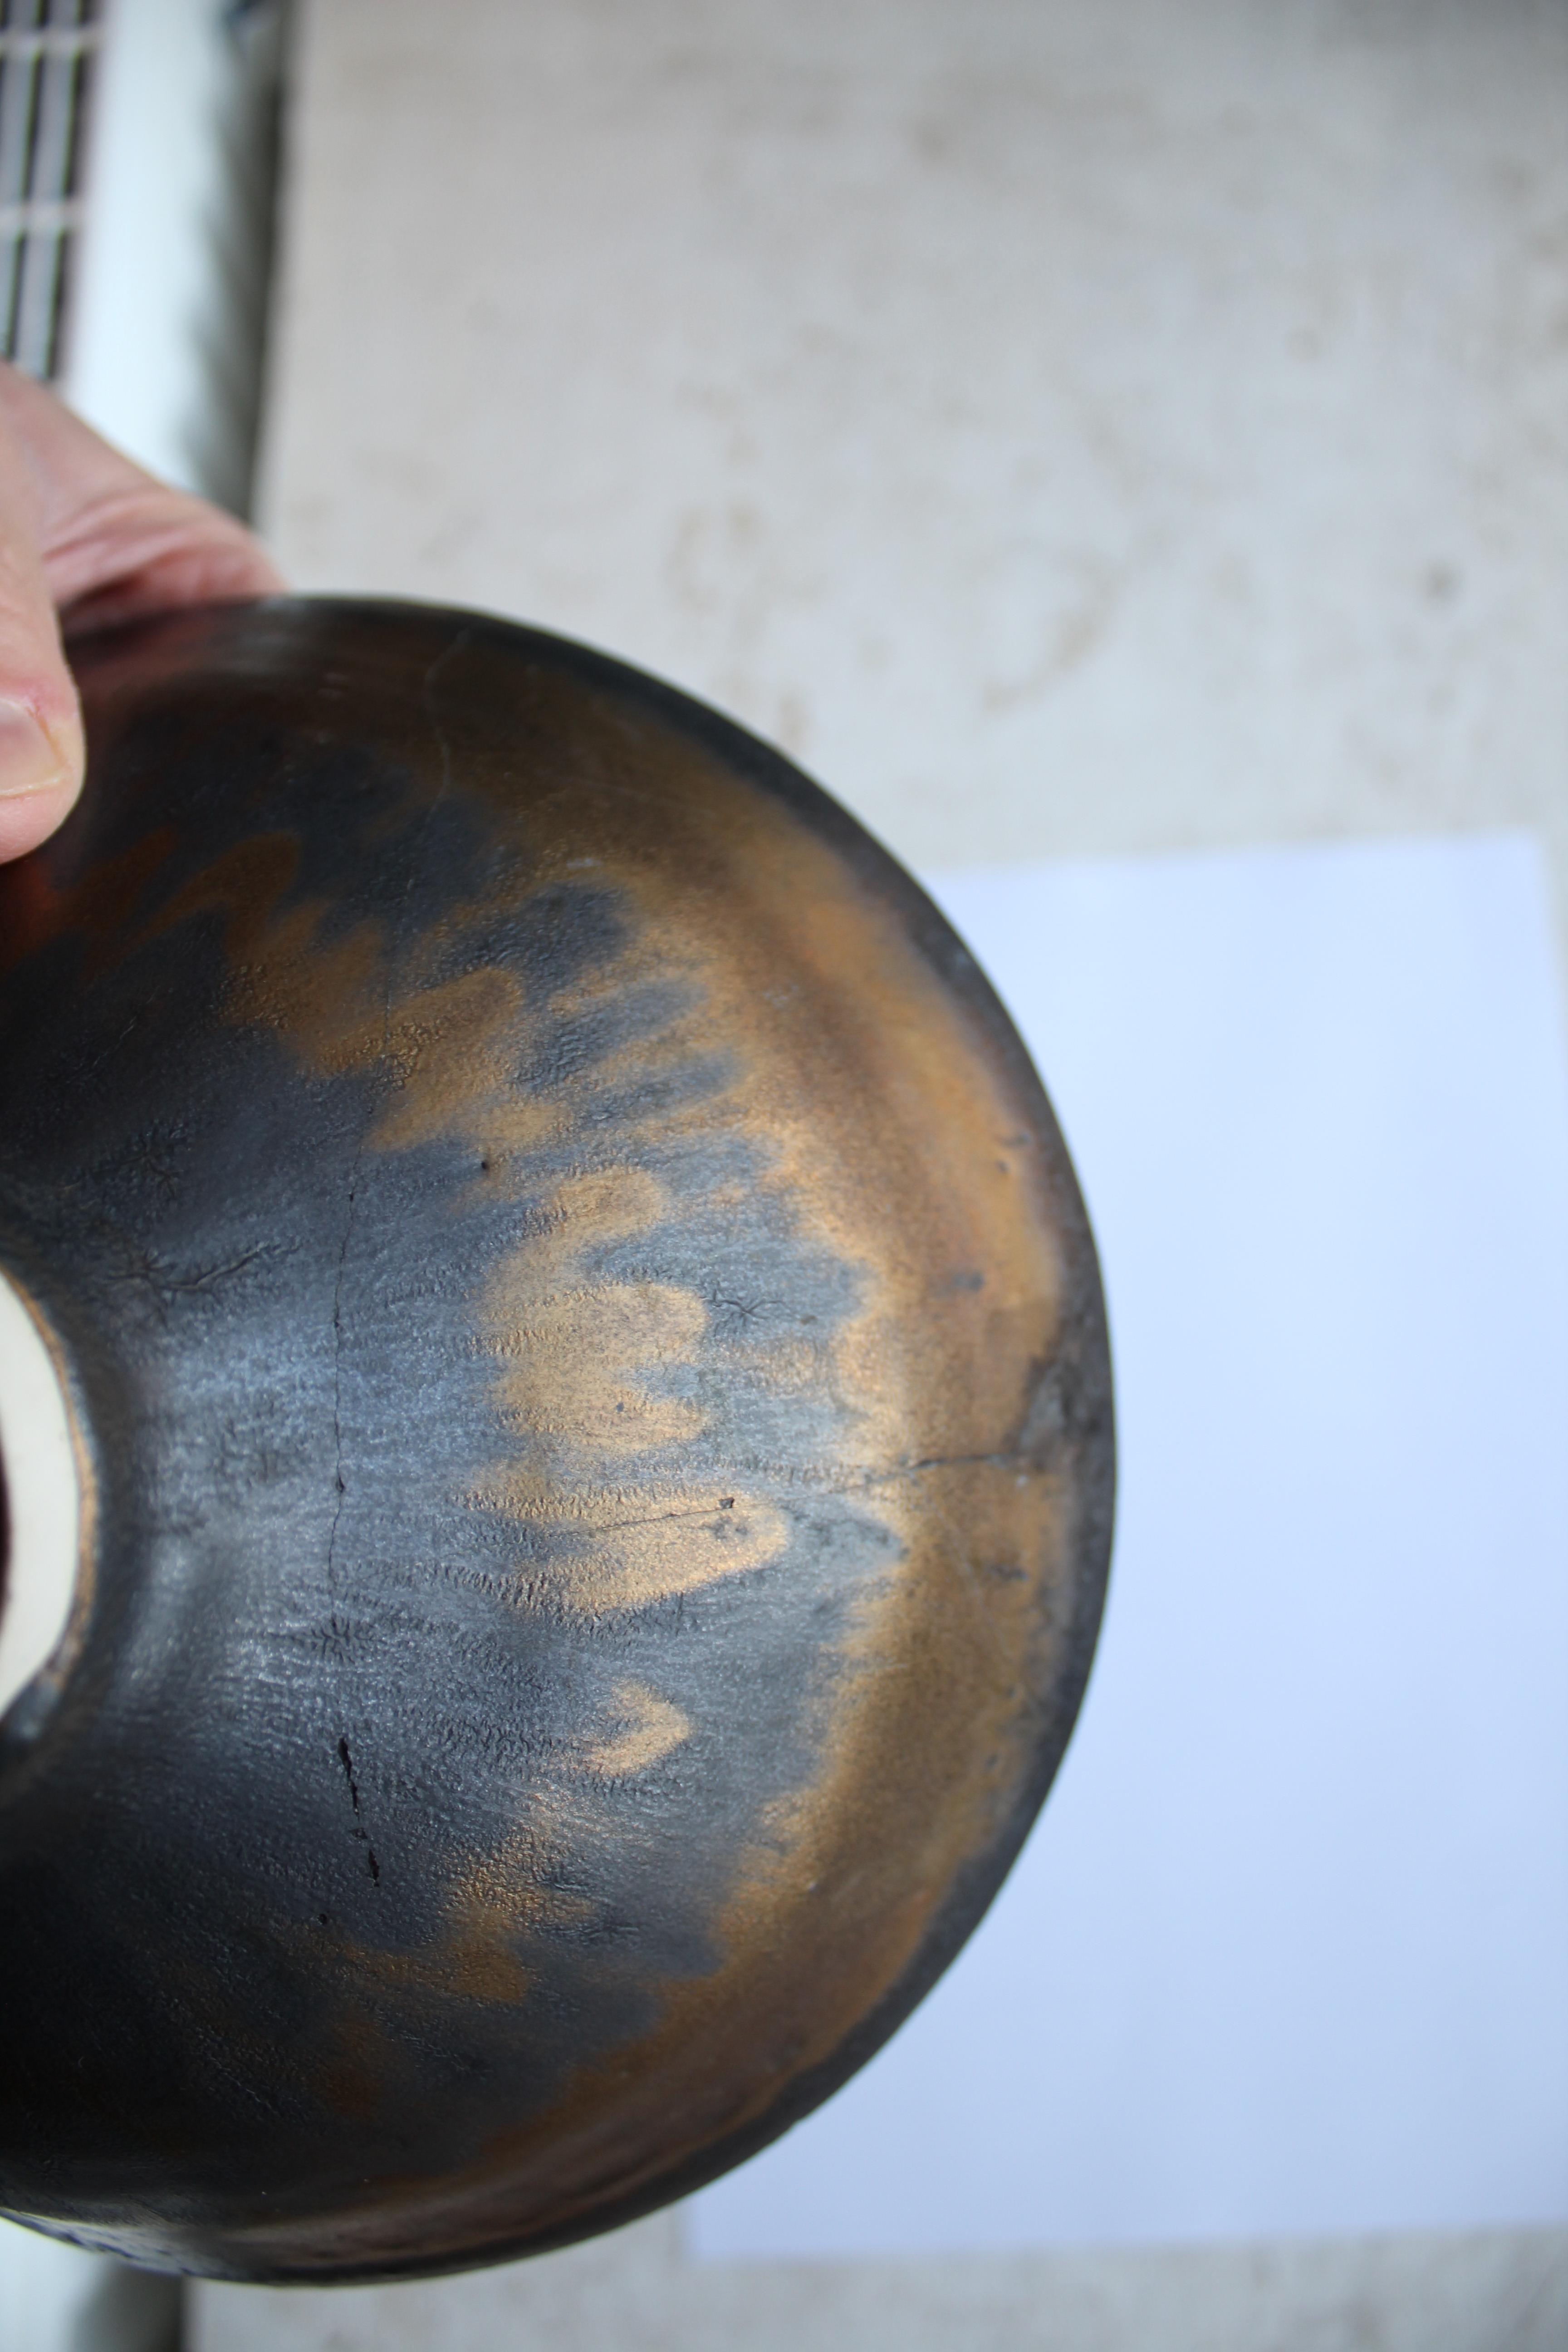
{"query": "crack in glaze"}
pixel 338 1360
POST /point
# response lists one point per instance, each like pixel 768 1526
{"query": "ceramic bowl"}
pixel 578 1363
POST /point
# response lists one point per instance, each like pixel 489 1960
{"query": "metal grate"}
pixel 47 55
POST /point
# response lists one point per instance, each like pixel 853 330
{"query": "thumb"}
pixel 41 750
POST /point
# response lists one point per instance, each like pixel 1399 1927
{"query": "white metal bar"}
pixel 51 41
pixel 41 216
pixel 164 334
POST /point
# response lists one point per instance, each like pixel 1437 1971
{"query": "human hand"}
pixel 86 538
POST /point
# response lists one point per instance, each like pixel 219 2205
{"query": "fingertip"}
pixel 27 820
pixel 41 775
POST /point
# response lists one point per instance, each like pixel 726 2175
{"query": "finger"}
pixel 84 533
pixel 41 722
pixel 115 542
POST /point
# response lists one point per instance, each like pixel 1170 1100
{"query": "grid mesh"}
pixel 48 50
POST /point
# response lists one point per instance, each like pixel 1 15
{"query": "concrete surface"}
pixel 633 2293
pixel 1065 426
pixel 1061 425
pixel 55 2298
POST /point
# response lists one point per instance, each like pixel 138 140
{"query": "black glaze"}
pixel 332 1882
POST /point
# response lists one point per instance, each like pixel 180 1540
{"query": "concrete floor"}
pixel 1491 2292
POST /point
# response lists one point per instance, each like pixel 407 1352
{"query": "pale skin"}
pixel 86 538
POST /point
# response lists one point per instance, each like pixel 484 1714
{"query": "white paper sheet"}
pixel 1288 1950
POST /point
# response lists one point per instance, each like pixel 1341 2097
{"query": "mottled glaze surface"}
pixel 597 1422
